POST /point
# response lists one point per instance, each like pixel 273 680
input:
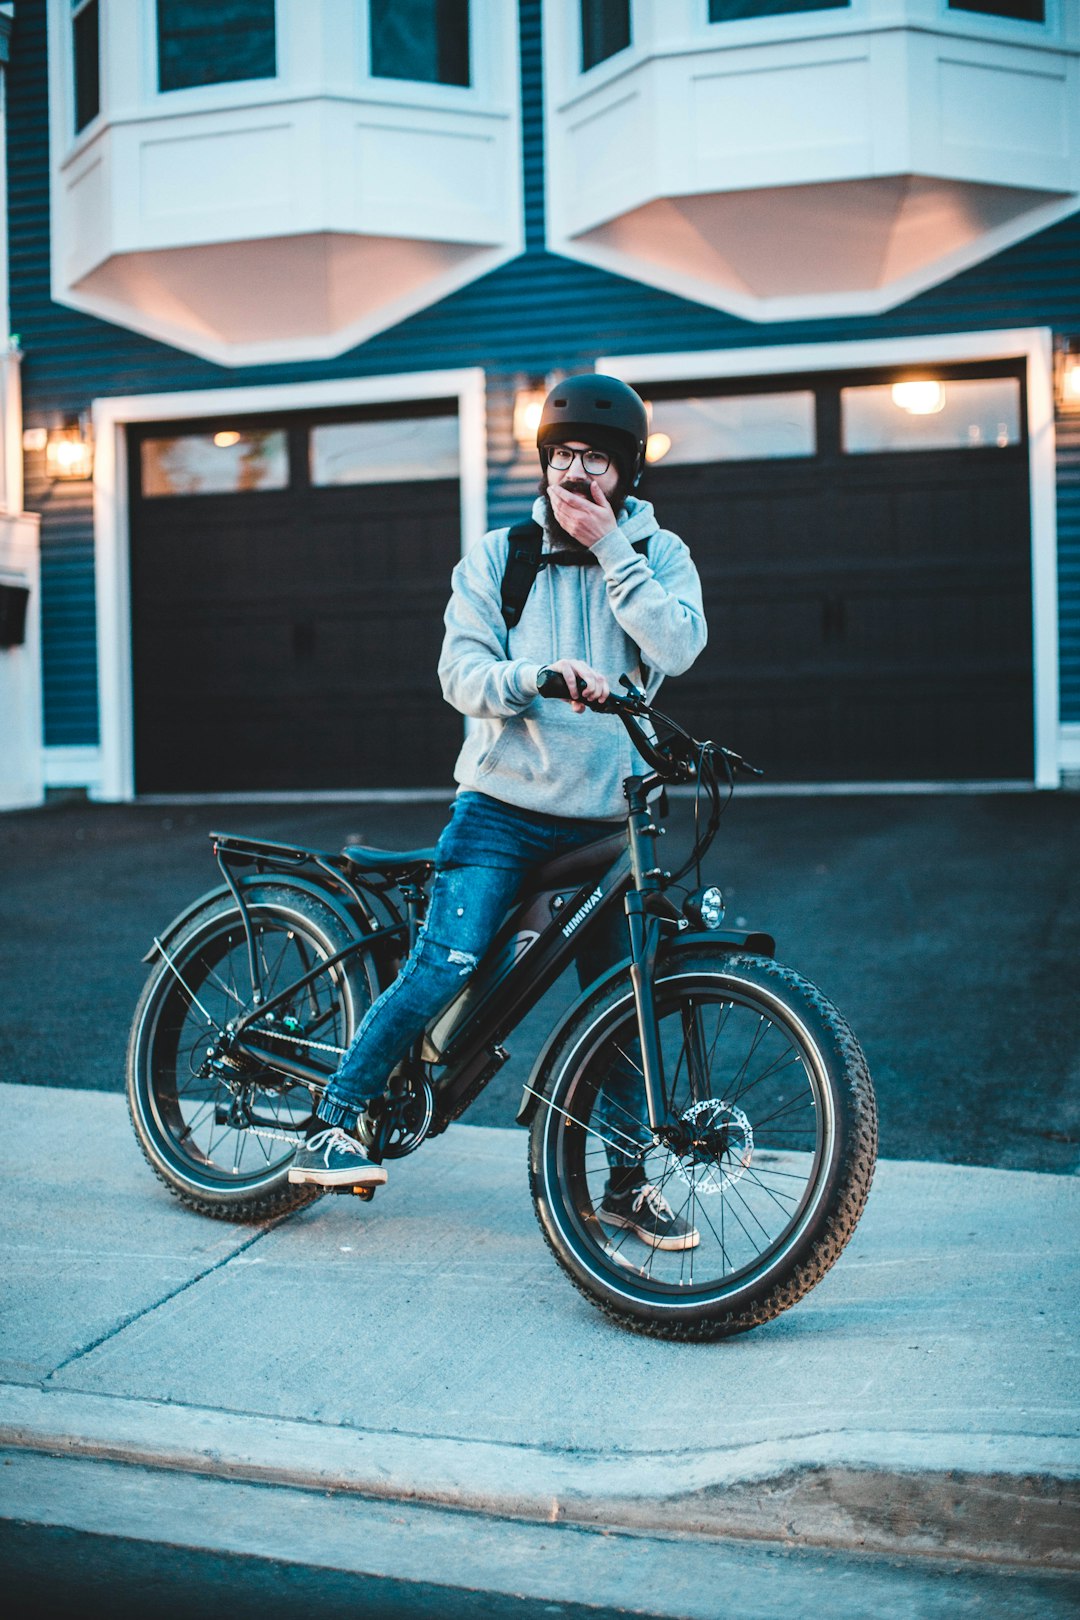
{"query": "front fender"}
pixel 728 939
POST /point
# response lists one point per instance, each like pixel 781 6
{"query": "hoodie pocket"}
pixel 489 760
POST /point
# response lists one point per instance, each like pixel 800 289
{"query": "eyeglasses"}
pixel 594 462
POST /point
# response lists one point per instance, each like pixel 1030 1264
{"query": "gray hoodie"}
pixel 535 752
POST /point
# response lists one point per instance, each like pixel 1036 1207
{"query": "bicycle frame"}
pixel 537 941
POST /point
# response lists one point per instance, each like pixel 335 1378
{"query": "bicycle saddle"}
pixel 387 860
pixel 578 864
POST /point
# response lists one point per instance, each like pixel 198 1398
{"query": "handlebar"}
pixel 678 759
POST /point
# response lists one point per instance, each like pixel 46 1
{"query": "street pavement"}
pixel 425 1351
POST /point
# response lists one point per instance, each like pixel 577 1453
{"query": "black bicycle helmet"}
pixel 597 410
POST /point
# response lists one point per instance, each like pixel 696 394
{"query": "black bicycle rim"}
pixel 749 1194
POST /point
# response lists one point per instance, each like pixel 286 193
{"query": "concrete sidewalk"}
pixel 426 1348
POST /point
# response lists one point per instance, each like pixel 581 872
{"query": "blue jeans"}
pixel 486 851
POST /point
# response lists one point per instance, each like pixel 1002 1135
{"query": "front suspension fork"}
pixel 645 934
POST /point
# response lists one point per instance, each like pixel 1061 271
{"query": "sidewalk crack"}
pixel 155 1305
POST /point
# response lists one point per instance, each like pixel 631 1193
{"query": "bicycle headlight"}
pixel 705 908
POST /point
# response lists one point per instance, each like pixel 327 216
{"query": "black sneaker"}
pixel 333 1158
pixel 646 1212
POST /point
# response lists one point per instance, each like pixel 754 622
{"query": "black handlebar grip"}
pixel 552 685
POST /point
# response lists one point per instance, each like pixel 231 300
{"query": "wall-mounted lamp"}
pixel 919 397
pixel 69 452
pixel 1067 373
pixel 528 405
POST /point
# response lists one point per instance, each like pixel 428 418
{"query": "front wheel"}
pixel 769 1152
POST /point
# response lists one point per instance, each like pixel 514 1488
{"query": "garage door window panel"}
pixel 732 427
pixel 931 414
pixel 226 462
pixel 405 450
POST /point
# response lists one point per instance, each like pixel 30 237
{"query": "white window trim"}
pixel 114 777
pixel 1034 345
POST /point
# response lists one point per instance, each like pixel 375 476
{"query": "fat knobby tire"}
pixel 849 1174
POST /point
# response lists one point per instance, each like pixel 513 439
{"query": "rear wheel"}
pixel 222 1132
pixel 768 1160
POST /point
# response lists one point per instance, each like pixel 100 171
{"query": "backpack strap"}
pixel 522 567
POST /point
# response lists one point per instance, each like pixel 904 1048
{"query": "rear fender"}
pixel 728 939
pixel 255 880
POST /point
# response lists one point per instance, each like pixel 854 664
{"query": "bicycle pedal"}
pixel 366 1193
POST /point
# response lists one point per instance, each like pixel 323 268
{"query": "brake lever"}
pixel 736 761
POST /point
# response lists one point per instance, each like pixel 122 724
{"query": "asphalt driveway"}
pixel 946 927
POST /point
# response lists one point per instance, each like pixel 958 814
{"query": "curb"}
pixel 998 1498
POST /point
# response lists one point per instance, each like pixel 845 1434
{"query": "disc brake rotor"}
pixel 722 1147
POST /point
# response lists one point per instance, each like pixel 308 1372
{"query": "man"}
pixel 537 778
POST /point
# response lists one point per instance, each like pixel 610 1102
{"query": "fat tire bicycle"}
pixel 757 1122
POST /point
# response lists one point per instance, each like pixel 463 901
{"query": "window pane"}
pixel 736 10
pixel 1021 10
pixel 222 463
pixel 923 415
pixel 605 30
pixel 87 66
pixel 425 40
pixel 741 427
pixel 200 43
pixel 385 452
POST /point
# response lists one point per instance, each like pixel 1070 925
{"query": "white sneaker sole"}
pixel 689 1240
pixel 371 1175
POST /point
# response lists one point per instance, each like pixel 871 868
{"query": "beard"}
pixel 578 486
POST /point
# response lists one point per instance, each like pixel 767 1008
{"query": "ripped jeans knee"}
pixel 465 908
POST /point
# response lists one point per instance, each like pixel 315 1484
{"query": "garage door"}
pixel 864 545
pixel 289 577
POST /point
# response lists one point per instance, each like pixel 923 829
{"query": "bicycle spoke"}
pixel 775 1068
pixel 775 1194
pixel 794 1102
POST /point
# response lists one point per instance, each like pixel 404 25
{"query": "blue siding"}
pixel 68 627
pixel 532 316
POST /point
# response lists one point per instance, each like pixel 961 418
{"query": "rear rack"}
pixel 269 850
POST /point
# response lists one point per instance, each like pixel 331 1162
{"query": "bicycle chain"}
pixel 292 1137
pixel 298 1040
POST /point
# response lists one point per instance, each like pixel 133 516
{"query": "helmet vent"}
pixel 603 404
pixel 559 404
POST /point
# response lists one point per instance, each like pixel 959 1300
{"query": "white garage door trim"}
pixel 116 774
pixel 1035 344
